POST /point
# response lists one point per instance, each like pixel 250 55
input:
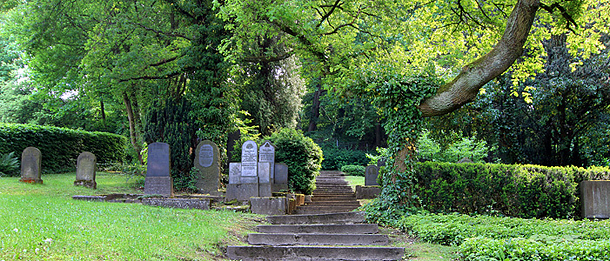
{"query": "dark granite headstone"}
pixel 207 158
pixel 267 154
pixel 370 175
pixel 85 170
pixel 31 165
pixel 281 177
pixel 158 179
pixel 249 159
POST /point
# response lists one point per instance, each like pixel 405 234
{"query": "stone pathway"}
pixel 321 230
pixel 332 194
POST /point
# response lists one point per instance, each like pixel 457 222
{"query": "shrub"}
pixel 301 154
pixel 513 190
pixel 9 164
pixel 335 158
pixel 60 147
pixel 353 170
pixel 466 147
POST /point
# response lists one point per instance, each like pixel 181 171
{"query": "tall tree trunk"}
pixel 132 127
pixel 103 111
pixel 378 133
pixel 466 85
pixel 315 109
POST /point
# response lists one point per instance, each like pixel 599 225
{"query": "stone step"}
pixel 334 218
pixel 319 193
pixel 320 228
pixel 291 239
pixel 307 253
pixel 333 198
pixel 334 203
pixel 304 211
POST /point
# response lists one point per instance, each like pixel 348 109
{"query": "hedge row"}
pixel 60 147
pixel 525 191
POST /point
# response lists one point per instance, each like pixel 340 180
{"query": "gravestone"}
pixel 234 173
pixel 207 158
pixel 158 179
pixel 267 155
pixel 249 159
pixel 281 177
pixel 31 165
pixel 264 182
pixel 85 170
pixel 595 198
pixel 370 175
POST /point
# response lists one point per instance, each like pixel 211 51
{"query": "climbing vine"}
pixel 397 98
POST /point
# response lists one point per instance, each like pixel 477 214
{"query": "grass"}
pixel 42 222
pixel 355 181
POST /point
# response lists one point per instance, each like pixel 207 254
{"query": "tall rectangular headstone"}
pixel 595 198
pixel 158 179
pixel 249 159
pixel 267 155
pixel 207 159
pixel 234 173
pixel 85 170
pixel 281 177
pixel 264 184
pixel 31 160
pixel 370 175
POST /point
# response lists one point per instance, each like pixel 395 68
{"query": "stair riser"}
pixel 293 253
pixel 335 218
pixel 328 229
pixel 317 239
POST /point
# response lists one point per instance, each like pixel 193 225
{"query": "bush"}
pixel 60 147
pixel 513 190
pixel 335 158
pixel 302 155
pixel 466 147
pixel 353 170
pixel 9 165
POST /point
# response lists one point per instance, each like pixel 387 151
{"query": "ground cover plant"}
pixel 505 238
pixel 42 222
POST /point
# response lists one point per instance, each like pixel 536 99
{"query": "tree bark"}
pixel 132 127
pixel 466 85
pixel 315 109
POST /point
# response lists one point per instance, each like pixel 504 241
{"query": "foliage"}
pixel 336 158
pixel 60 147
pixel 353 170
pixel 513 190
pixel 9 164
pixel 302 155
pixel 466 147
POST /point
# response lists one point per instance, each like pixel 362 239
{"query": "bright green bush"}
pixel 335 158
pixel 353 170
pixel 513 190
pixel 466 147
pixel 9 164
pixel 60 147
pixel 301 154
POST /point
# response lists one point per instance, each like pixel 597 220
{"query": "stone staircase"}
pixel 332 194
pixel 335 236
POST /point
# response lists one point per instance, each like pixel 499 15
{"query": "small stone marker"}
pixel 234 173
pixel 465 160
pixel 267 155
pixel 207 159
pixel 158 179
pixel 370 175
pixel 85 170
pixel 281 177
pixel 31 165
pixel 249 159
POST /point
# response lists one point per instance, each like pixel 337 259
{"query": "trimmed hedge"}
pixel 525 191
pixel 353 170
pixel 60 147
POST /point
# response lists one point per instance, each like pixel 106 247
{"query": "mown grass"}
pixel 42 222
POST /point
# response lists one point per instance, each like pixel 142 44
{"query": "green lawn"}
pixel 42 222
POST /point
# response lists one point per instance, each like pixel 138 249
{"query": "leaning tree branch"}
pixel 466 85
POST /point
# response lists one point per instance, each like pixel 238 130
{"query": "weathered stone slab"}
pixel 249 159
pixel 267 155
pixel 241 191
pixel 203 204
pixel 234 173
pixel 158 180
pixel 595 197
pixel 268 205
pixel 85 170
pixel 207 158
pixel 31 168
pixel 367 192
pixel 370 175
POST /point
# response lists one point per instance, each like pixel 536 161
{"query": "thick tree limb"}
pixel 466 85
